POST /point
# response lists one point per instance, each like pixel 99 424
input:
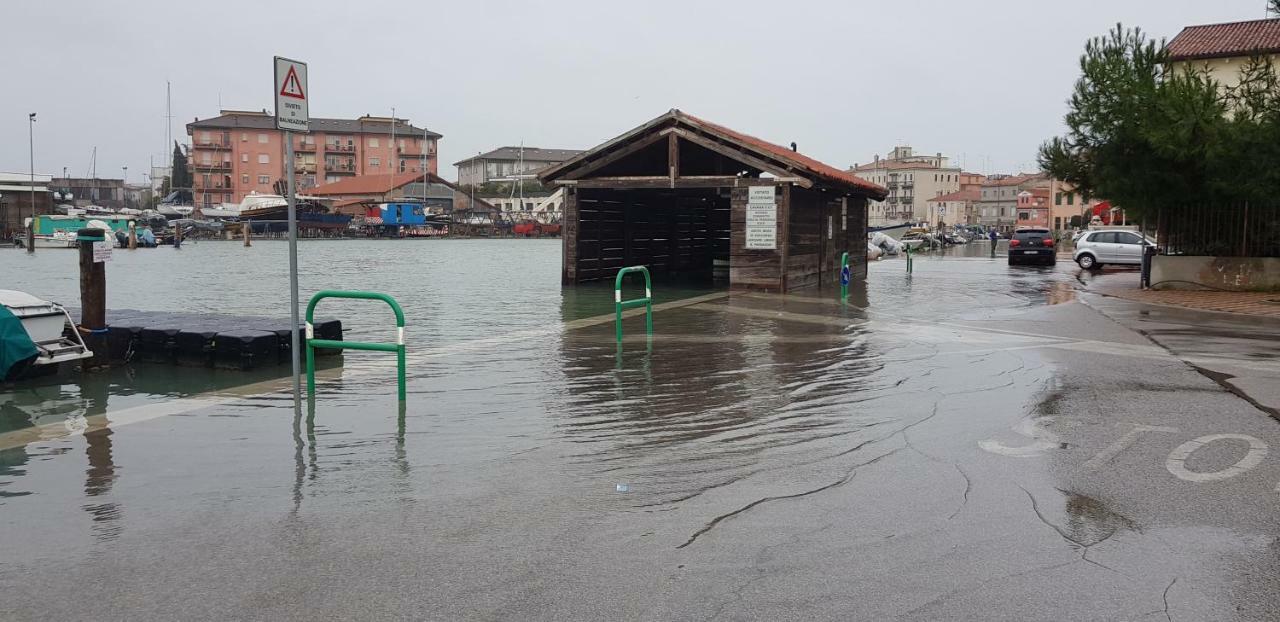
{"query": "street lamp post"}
pixel 124 190
pixel 31 144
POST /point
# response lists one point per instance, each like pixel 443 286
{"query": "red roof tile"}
pixel 1226 40
pixel 800 160
pixel 369 184
pixel 806 166
pixel 968 194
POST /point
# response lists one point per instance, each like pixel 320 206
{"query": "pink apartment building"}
pixel 237 152
pixel 1033 208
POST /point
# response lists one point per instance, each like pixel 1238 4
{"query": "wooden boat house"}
pixel 691 199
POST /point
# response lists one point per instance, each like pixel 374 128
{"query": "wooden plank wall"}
pixel 805 240
pixel 823 226
pixel 672 232
pixel 857 237
pixel 757 270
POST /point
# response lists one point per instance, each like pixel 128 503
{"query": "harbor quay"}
pixel 757 453
pixel 627 324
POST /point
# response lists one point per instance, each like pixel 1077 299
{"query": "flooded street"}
pixel 968 439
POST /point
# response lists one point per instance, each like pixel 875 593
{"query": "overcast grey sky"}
pixel 983 82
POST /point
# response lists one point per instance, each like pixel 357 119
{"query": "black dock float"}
pixel 198 340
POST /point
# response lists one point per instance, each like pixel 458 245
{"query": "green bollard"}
pixel 845 276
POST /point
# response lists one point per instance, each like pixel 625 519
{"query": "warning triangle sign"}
pixel 292 87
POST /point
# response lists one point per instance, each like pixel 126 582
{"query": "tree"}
pixel 179 175
pixel 1137 133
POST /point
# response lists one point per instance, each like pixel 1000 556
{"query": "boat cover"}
pixel 16 347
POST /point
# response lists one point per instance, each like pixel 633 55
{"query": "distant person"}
pixel 993 236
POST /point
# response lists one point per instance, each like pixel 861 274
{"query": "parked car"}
pixel 1032 245
pixel 1123 246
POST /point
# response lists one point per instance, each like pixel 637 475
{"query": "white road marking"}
pixel 1178 457
pixel 1123 443
pixel 1029 427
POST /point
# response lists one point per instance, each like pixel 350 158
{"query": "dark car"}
pixel 1031 245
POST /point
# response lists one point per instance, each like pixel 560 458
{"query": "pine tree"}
pixel 180 175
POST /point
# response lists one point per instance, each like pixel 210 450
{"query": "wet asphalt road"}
pixel 975 442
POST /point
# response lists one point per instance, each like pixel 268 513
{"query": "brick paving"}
pixel 1248 303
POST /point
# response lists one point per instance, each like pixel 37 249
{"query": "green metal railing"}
pixel 312 343
pixel 845 276
pixel 908 251
pixel 620 304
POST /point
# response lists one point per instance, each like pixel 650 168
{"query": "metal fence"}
pixel 1220 230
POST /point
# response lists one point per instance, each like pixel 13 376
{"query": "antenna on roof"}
pixel 793 145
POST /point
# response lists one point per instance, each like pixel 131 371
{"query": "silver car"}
pixel 1095 248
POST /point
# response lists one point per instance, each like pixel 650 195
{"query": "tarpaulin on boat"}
pixel 16 348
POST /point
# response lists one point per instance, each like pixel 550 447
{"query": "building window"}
pixel 262 138
pixel 244 178
pixel 263 180
pixel 375 161
pixel 373 142
pixel 204 137
pixel 1024 216
pixel 402 143
pixel 264 158
pixel 1057 198
pixel 244 137
pixel 1071 198
pixel 244 157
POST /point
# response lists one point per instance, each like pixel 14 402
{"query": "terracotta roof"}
pixel 819 169
pixel 807 166
pixel 1226 40
pixel 1012 180
pixel 370 184
pixel 968 194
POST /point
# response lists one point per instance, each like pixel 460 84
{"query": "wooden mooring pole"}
pixel 245 228
pixel 93 296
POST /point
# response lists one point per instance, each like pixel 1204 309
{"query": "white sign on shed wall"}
pixel 762 218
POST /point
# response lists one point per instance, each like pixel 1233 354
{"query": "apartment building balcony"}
pixel 214 186
pixel 335 148
pixel 340 168
pixel 212 166
pixel 213 143
pixel 300 168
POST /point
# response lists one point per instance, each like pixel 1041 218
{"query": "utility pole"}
pixel 31 140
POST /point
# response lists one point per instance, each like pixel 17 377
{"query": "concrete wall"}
pixel 1234 273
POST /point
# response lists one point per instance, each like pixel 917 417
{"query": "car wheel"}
pixel 1087 261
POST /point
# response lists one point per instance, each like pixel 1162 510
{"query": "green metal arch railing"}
pixel 620 304
pixel 312 343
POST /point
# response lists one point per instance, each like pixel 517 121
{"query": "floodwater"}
pixel 534 456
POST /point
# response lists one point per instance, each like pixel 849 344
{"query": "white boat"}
pixel 44 322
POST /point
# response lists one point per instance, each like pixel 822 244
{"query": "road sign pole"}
pixel 292 116
pixel 296 348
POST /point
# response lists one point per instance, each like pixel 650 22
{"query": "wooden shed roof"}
pixel 782 158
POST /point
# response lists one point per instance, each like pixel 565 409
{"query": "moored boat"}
pixel 39 337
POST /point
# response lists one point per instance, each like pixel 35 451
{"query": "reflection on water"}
pixel 502 370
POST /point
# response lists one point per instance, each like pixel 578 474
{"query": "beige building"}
pixel 1223 49
pixel 955 208
pixel 1066 202
pixel 912 180
pixel 997 204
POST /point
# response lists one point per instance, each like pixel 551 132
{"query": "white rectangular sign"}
pixel 291 96
pixel 762 218
pixel 102 251
pixel 760 194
